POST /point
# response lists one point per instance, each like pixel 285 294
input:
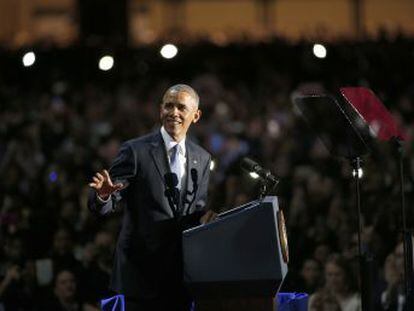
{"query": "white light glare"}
pixel 168 51
pixel 253 175
pixel 319 50
pixel 212 165
pixel 360 173
pixel 29 59
pixel 106 63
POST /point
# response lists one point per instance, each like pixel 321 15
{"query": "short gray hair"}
pixel 183 88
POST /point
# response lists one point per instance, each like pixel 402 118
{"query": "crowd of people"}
pixel 62 120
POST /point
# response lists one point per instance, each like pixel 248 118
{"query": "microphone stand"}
pixel 262 189
pixel 168 194
pixel 193 193
pixel 365 259
pixel 266 186
pixel 356 164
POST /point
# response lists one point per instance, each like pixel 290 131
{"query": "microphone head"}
pixel 171 180
pixel 249 165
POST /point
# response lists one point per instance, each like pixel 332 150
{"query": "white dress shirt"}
pixel 169 144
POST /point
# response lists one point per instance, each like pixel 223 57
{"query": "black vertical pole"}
pixel 356 163
pixel 407 241
pixel 365 261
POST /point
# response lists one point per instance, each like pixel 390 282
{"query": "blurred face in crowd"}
pixel 62 242
pixel 65 286
pixel 104 239
pixel 13 249
pixel 178 110
pixel 335 277
pixel 321 253
pixel 391 274
pixel 311 271
pixel 89 253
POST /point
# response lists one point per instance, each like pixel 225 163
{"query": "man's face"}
pixel 177 112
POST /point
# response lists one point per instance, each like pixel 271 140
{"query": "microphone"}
pixel 171 192
pixel 251 166
pixel 171 180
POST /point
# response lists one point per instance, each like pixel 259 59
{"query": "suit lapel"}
pixel 193 163
pixel 159 155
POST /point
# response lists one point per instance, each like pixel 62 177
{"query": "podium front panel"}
pixel 238 254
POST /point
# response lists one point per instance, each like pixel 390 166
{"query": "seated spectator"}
pixel 94 278
pixel 393 298
pixel 62 252
pixel 64 295
pixel 324 301
pixel 339 291
pixel 311 276
pixel 16 277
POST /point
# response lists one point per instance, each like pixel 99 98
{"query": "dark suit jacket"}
pixel 148 257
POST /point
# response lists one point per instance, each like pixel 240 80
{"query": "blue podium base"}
pixel 283 302
pixel 292 302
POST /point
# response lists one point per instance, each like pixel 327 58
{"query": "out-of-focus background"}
pixel 64 22
pixel 79 77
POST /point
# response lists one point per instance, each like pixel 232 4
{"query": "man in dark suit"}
pixel 162 178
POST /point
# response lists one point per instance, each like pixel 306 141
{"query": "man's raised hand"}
pixel 103 185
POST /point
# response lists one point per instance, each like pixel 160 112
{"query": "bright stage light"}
pixel 168 51
pixel 106 63
pixel 319 50
pixel 29 59
pixel 254 175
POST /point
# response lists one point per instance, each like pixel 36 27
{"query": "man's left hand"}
pixel 209 216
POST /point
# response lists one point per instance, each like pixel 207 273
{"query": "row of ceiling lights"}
pixel 106 62
pixel 168 51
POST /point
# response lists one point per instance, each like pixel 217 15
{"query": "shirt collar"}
pixel 170 143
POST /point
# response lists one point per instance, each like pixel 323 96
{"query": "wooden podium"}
pixel 239 261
